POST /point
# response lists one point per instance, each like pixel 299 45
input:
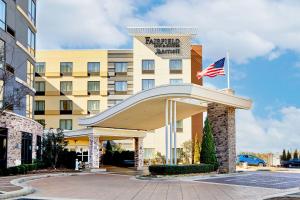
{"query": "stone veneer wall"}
pixel 222 119
pixel 15 125
pixel 139 153
pixel 94 151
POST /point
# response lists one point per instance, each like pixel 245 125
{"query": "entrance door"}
pixel 26 154
pixel 3 148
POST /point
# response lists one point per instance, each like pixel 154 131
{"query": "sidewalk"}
pixel 15 186
pixel 6 186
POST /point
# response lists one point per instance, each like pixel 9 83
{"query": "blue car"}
pixel 291 163
pixel 251 160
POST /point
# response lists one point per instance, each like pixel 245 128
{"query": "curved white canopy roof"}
pixel 146 109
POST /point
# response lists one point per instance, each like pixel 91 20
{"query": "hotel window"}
pixel 66 87
pixel 66 107
pixel 31 41
pixel 29 106
pixel 175 81
pixel 94 87
pixel 66 68
pixel 30 73
pixel 148 66
pixel 93 68
pixel 39 107
pixel 179 126
pixel 40 69
pixel 32 10
pixel 121 87
pixel 2 54
pixel 2 14
pixel 93 106
pixel 65 124
pixel 121 67
pixel 148 84
pixel 175 66
pixel 39 86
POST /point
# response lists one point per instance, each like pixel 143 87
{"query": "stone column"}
pixel 93 151
pixel 139 153
pixel 222 119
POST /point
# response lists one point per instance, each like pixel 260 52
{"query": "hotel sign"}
pixel 164 45
pixel 167 46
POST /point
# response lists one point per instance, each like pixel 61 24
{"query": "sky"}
pixel 262 37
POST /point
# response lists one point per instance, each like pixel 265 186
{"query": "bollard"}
pixel 76 165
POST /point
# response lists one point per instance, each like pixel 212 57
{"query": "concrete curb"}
pixel 26 190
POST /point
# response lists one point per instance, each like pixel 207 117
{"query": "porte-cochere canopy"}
pixel 146 109
pixel 160 107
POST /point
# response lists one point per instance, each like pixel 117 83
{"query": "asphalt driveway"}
pixel 115 186
pixel 275 180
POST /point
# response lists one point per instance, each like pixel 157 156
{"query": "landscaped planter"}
pixel 180 169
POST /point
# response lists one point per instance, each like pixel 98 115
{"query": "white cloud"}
pixel 248 28
pixel 77 23
pixel 268 135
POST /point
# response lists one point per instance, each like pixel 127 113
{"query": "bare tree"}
pixel 12 89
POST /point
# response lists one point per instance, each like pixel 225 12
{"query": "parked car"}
pixel 251 160
pixel 291 163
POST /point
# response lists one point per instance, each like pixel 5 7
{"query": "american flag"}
pixel 213 70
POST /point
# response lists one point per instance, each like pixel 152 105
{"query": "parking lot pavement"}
pixel 275 180
pixel 116 186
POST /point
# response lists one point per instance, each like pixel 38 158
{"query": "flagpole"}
pixel 228 71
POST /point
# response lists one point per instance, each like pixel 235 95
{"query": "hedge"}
pixel 21 169
pixel 180 169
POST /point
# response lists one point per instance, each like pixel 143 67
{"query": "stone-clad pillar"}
pixel 222 119
pixel 139 153
pixel 94 151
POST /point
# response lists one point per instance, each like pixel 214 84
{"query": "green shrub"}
pixel 180 169
pixel 20 169
pixel 208 149
pixel 13 170
pixel 31 167
pixel 39 164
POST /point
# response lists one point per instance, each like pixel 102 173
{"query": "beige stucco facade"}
pixel 79 79
pixel 155 141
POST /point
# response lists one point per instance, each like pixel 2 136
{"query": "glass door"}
pixel 26 154
pixel 3 148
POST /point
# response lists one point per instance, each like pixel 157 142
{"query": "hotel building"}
pixel 20 135
pixel 74 84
